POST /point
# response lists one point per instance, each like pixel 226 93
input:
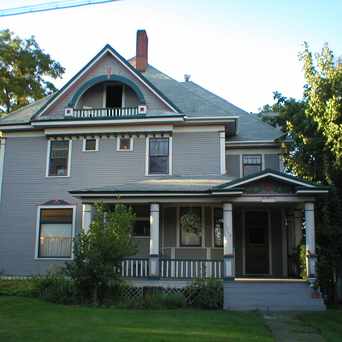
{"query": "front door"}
pixel 257 248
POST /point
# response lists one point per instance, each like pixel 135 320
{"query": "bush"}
pixel 56 288
pixel 18 287
pixel 205 294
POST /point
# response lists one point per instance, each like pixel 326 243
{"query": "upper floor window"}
pixel 159 156
pixel 59 158
pixel 114 96
pixel 251 164
pixel 90 145
pixel 55 232
pixel 124 144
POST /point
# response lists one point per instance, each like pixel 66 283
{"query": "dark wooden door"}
pixel 257 249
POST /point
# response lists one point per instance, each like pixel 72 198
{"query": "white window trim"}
pixel 262 161
pixel 39 208
pixel 96 145
pixel 130 144
pixel 48 160
pixel 147 159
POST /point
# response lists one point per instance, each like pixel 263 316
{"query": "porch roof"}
pixel 201 186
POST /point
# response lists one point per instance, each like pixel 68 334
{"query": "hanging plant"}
pixel 191 223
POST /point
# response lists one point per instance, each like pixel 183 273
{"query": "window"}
pixel 55 232
pixel 90 145
pixel 58 159
pixel 124 144
pixel 251 164
pixel 218 227
pixel 158 158
pixel 190 221
pixel 141 226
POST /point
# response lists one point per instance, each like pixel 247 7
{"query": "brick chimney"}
pixel 141 58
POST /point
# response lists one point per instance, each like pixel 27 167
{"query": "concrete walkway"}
pixel 286 327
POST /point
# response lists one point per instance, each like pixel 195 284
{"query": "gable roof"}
pixel 188 98
pixel 107 49
pixel 301 184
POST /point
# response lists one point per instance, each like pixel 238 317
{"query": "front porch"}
pixel 235 241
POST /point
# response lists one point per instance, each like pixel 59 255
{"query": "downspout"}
pixel 2 160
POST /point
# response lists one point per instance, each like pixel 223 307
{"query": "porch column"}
pixel 228 248
pixel 86 216
pixel 154 240
pixel 309 211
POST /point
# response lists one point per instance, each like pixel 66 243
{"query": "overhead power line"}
pixel 49 6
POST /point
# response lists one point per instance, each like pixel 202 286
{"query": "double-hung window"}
pixel 55 232
pixel 159 156
pixel 58 158
pixel 251 164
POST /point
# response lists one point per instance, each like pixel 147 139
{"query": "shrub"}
pixel 18 287
pixel 56 288
pixel 98 252
pixel 205 294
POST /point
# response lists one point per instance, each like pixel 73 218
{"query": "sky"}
pixel 241 50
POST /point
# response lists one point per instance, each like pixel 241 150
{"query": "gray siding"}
pixel 233 165
pixel 196 154
pixel 272 162
pixel 25 186
pixel 93 97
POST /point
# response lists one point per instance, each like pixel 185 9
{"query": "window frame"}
pixel 147 156
pixel 145 219
pixel 130 144
pixel 251 155
pixel 42 207
pixel 85 144
pixel 48 160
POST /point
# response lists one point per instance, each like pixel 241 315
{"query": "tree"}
pixel 313 150
pixel 24 72
pixel 98 252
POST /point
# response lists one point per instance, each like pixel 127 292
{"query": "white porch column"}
pixel 309 211
pixel 154 240
pixel 228 247
pixel 86 216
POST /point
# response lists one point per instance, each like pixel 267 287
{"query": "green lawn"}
pixel 328 323
pixel 24 319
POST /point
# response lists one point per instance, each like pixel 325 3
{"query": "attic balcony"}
pixel 105 113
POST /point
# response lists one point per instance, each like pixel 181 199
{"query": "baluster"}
pixel 172 268
pixel 191 269
pixel 167 268
pixel 122 269
pixel 181 265
pixel 186 269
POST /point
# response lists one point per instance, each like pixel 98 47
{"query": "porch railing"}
pixel 188 269
pixel 135 268
pixel 103 113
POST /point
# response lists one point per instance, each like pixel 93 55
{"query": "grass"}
pixel 28 319
pixel 328 323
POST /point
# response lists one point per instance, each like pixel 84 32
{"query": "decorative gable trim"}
pixel 124 63
pixel 269 173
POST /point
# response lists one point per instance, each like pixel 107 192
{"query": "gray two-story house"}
pixel 122 131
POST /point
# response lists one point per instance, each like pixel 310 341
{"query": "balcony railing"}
pixel 189 269
pixel 105 113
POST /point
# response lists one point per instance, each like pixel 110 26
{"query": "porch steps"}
pixel 270 296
